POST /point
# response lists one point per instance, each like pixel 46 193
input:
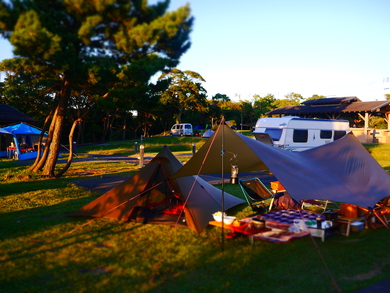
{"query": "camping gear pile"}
pixel 166 192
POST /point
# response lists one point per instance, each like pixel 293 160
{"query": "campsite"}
pixel 44 248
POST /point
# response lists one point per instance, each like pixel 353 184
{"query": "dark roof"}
pixel 330 105
pixel 330 101
pixel 9 115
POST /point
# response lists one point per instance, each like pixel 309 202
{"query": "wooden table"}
pixel 244 229
pixel 247 230
pixel 323 232
pixel 348 221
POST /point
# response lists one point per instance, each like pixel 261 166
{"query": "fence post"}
pixel 193 149
pixel 141 155
pixel 136 147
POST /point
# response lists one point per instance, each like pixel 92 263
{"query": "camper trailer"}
pixel 299 134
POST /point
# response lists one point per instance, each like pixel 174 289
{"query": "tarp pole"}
pixel 17 147
pixel 223 185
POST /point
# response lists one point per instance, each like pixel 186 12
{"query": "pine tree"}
pixel 105 50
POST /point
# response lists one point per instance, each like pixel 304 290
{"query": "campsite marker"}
pixel 141 155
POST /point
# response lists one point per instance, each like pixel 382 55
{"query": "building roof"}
pixel 333 106
pixel 10 115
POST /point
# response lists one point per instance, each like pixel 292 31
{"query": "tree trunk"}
pixel 34 167
pixel 80 133
pixel 42 161
pixel 124 126
pixel 106 124
pixel 58 124
pixel 67 165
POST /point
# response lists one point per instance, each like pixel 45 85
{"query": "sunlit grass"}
pixel 381 153
pixel 43 249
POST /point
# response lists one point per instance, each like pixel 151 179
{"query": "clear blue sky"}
pixel 324 47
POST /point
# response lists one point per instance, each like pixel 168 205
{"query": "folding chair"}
pixel 257 194
pixel 319 206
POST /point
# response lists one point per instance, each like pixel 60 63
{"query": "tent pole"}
pixel 223 186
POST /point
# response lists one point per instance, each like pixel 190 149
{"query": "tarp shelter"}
pixel 5 140
pixel 149 196
pixel 25 138
pixel 341 171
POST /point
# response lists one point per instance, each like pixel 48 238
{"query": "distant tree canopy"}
pixel 314 97
pixel 185 92
pixel 98 53
pixel 263 105
pixel 221 97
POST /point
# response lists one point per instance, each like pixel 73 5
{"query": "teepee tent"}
pixel 341 171
pixel 150 196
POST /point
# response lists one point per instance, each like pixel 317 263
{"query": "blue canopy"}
pixel 2 131
pixel 23 128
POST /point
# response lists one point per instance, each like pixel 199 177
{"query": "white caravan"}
pixel 299 134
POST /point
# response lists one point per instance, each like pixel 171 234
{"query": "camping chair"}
pixel 313 204
pixel 257 194
pixel 381 211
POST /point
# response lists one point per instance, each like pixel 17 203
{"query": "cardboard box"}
pixel 357 226
pixel 349 210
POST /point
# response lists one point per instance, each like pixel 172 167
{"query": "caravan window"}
pixel 326 134
pixel 339 134
pixel 274 133
pixel 300 135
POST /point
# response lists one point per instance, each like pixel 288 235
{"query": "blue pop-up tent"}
pixel 26 138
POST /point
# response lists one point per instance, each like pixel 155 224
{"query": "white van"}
pixel 299 134
pixel 182 129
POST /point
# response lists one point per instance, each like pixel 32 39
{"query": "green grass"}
pixel 381 153
pixel 42 249
pixel 151 146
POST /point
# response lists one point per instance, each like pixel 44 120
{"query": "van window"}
pixel 274 133
pixel 326 134
pixel 300 135
pixel 339 134
pixel 188 126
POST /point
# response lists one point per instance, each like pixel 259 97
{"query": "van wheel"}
pixel 181 134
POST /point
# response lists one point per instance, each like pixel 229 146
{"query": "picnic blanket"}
pixel 280 222
pixel 288 216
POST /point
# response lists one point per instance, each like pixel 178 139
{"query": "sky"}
pixel 333 48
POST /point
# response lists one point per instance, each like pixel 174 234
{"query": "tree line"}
pixel 86 71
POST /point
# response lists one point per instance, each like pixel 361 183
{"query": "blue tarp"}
pixel 23 128
pixel 3 131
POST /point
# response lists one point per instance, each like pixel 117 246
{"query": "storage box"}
pixel 357 226
pixel 349 210
pixel 330 215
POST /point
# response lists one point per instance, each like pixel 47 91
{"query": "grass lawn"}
pixel 42 249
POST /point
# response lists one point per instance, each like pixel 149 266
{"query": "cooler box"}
pixel 357 226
